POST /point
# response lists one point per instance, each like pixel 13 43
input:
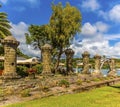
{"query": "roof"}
pixel 33 60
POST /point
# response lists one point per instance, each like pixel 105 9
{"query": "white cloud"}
pixel 18 31
pixel 111 15
pixel 114 13
pixel 103 14
pixel 112 36
pixel 96 41
pixel 91 5
pixel 88 29
pixel 102 27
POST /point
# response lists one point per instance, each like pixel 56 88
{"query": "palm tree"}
pixel 4 25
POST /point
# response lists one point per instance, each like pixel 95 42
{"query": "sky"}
pixel 100 32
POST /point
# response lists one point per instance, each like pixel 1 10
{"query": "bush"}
pixel 39 68
pixel 96 79
pixel 79 82
pixel 88 81
pixel 64 83
pixel 21 70
pixel 25 93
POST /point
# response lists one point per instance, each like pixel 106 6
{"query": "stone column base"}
pixel 85 72
pixel 47 73
pixel 96 72
pixel 112 73
pixel 10 75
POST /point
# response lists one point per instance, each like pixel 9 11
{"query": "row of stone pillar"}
pixel 86 66
pixel 46 55
pixel 10 47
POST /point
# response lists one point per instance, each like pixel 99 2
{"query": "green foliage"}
pixel 4 25
pixel 39 68
pixel 96 79
pixel 25 93
pixel 1 50
pixel 38 35
pixel 88 81
pixel 64 83
pixel 79 82
pixel 1 66
pixel 21 70
pixel 1 92
pixel 20 54
pixel 64 23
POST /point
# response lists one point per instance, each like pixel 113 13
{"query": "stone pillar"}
pixel 10 57
pixel 69 59
pixel 112 71
pixel 97 64
pixel 86 67
pixel 46 59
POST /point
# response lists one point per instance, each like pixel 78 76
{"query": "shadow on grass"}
pixel 115 86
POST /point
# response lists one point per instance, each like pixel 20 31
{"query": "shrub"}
pixel 25 93
pixel 79 82
pixel 64 83
pixel 88 81
pixel 21 70
pixel 2 95
pixel 9 90
pixel 39 68
pixel 96 79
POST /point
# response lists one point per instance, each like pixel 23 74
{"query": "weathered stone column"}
pixel 112 71
pixel 97 64
pixel 69 60
pixel 10 57
pixel 86 67
pixel 46 58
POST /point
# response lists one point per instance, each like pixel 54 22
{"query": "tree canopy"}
pixel 37 35
pixel 64 24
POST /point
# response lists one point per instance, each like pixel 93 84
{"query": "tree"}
pixel 4 29
pixel 64 23
pixel 37 36
pixel 4 25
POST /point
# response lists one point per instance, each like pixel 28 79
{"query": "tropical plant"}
pixel 22 71
pixel 4 25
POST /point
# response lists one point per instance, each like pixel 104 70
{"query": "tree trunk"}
pixel 57 62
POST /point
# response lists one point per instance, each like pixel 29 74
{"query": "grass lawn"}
pixel 100 97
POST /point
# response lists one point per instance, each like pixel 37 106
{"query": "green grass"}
pixel 100 97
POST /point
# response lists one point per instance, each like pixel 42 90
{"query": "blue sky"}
pixel 100 23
